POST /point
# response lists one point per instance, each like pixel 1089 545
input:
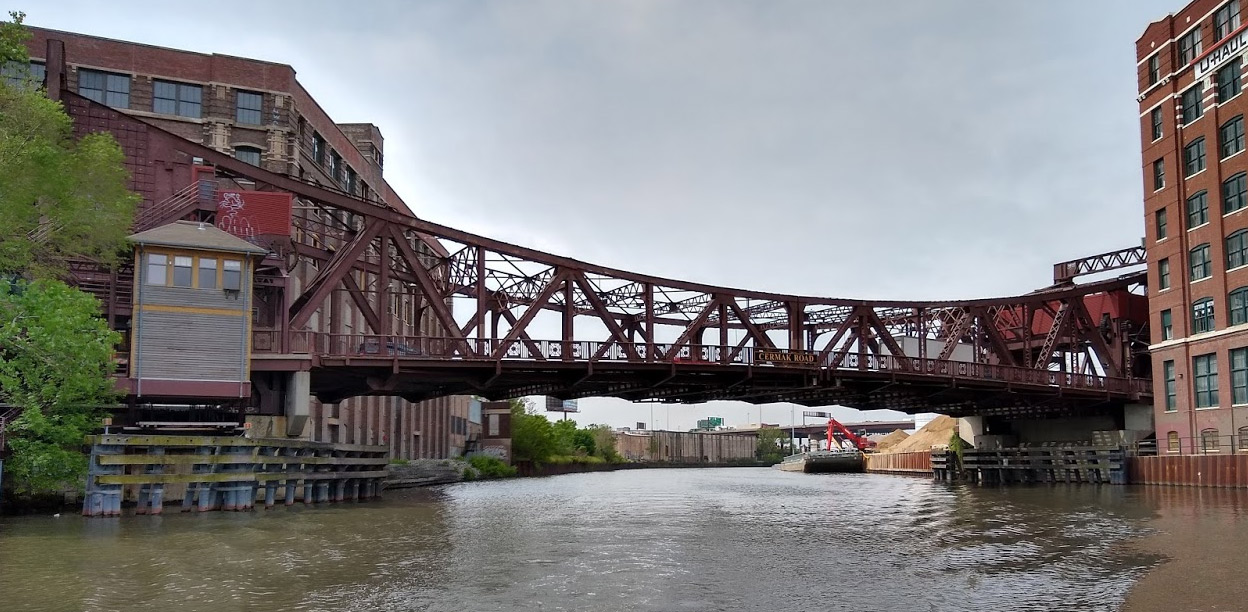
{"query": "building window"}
pixel 249 105
pixel 207 273
pixel 1172 441
pixel 1194 157
pixel 1163 273
pixel 181 271
pixel 1209 440
pixel 1198 260
pixel 1155 119
pixel 250 155
pixel 1243 438
pixel 1202 316
pixel 17 74
pixel 1237 249
pixel 1159 174
pixel 335 166
pixel 1198 209
pixel 1191 103
pixel 1235 193
pixel 1238 300
pixel 1159 219
pixel 1231 136
pixel 349 183
pixel 1205 378
pixel 1167 369
pixel 157 269
pixel 1189 46
pixel 169 98
pixel 318 149
pixel 1154 69
pixel 232 275
pixel 1239 376
pixel 1167 325
pixel 1226 20
pixel 105 87
pixel 1228 80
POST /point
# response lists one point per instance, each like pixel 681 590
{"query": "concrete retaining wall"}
pixel 684 447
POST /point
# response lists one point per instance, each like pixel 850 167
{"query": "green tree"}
pixel 604 443
pixel 56 354
pixel 532 435
pixel 771 443
pixel 59 198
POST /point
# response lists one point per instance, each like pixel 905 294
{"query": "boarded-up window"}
pixel 157 269
pixel 1172 439
pixel 1243 438
pixel 493 425
pixel 1209 440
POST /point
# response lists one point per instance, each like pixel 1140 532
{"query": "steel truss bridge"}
pixel 509 321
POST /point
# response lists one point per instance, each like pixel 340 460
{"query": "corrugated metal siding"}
pixel 191 298
pixel 185 346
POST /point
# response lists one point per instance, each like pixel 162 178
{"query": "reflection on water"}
pixel 713 539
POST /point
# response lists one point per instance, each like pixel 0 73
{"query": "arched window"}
pixel 1237 249
pixel 1238 300
pixel 250 155
pixel 1172 442
pixel 1198 208
pixel 1202 315
pixel 1235 189
pixel 1198 261
pixel 1209 440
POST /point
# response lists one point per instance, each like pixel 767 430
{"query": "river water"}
pixel 670 540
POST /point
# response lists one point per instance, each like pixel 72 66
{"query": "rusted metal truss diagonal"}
pixel 1068 271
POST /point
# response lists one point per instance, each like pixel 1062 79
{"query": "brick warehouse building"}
pixel 1191 77
pixel 258 112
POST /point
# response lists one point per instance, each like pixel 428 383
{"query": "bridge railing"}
pixel 475 349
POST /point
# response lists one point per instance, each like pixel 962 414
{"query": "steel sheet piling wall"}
pixel 1221 470
pixel 919 462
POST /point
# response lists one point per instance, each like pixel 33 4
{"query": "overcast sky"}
pixel 909 149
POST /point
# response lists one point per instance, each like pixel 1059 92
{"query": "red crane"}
pixel 840 433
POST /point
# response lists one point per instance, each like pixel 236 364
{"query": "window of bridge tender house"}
pixel 232 275
pixel 207 273
pixel 182 271
pixel 157 269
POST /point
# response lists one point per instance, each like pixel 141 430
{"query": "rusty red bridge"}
pixel 500 320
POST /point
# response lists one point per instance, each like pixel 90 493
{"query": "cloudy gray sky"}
pixel 909 149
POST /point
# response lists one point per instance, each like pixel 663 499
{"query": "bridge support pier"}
pixel 298 402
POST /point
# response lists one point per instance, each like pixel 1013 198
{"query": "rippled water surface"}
pixel 687 539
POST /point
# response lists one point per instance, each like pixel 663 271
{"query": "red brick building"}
pixel 258 112
pixel 1195 170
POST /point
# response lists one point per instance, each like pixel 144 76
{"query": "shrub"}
pixel 490 467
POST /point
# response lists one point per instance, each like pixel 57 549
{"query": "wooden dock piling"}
pixel 226 473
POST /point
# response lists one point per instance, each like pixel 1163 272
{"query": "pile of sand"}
pixel 893 438
pixel 934 434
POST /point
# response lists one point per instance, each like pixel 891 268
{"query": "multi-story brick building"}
pixel 258 112
pixel 1191 77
